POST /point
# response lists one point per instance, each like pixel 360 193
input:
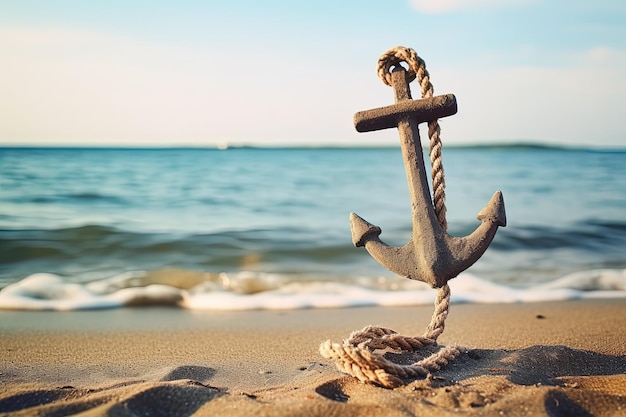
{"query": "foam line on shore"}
pixel 253 291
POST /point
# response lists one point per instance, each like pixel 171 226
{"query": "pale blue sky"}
pixel 189 72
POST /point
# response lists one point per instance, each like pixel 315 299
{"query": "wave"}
pixel 28 244
pixel 591 234
pixel 84 197
pixel 258 291
pixel 220 249
pixel 95 252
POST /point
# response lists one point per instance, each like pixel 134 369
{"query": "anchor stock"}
pixel 423 110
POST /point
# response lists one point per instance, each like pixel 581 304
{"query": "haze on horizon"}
pixel 193 73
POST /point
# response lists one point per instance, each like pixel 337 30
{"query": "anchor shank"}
pixel 425 226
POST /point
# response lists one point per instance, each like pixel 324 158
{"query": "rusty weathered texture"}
pixel 432 255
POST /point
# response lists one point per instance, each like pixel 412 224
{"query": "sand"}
pixel 552 359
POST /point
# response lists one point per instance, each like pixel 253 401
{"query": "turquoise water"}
pixel 281 215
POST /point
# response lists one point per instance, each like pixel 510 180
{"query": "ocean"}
pixel 267 228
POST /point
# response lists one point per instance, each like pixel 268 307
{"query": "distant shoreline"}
pixel 217 147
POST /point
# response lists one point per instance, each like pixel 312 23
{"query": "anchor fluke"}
pixel 494 211
pixel 362 230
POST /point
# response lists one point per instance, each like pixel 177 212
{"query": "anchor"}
pixel 432 255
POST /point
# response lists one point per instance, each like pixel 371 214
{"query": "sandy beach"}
pixel 554 359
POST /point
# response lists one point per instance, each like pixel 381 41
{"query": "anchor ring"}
pixel 394 57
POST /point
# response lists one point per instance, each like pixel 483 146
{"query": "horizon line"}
pixel 226 146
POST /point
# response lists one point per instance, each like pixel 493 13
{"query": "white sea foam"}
pixel 50 292
pixel 253 291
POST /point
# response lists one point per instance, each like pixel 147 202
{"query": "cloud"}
pixel 447 6
pixel 77 86
pixel 604 56
pixel 578 104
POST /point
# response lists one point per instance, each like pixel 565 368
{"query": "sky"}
pixel 287 72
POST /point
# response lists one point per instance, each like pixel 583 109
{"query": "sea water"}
pixel 267 228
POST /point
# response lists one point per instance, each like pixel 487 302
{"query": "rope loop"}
pixel 356 356
pixel 394 57
pixel 416 68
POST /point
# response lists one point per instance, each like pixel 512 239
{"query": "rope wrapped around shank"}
pixel 356 356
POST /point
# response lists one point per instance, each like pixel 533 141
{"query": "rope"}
pixel 356 356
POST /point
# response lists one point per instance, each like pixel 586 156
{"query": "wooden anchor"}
pixel 432 255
